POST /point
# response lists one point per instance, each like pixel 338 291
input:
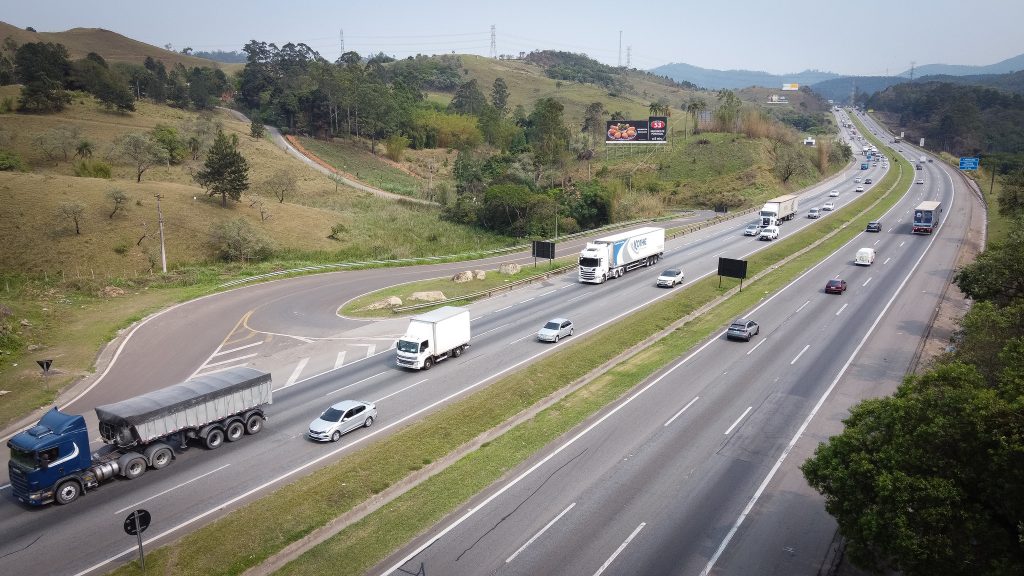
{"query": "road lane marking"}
pixel 866 282
pixel 222 362
pixel 876 242
pixel 802 306
pixel 678 414
pixel 158 494
pixel 546 293
pixel 577 297
pixel 295 373
pixel 525 301
pixel 237 349
pixel 521 339
pixel 370 349
pixel 886 260
pixel 814 411
pixel 503 309
pixel 619 550
pixel 800 354
pixel 359 382
pixel 901 244
pixel 763 340
pixel 736 423
pixel 539 534
pixel 493 329
pixel 383 398
pixel 340 361
pixel 843 307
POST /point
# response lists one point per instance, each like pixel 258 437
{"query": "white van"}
pixel 865 256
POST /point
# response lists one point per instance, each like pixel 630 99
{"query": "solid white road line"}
pixel 538 534
pixel 619 550
pixel 800 354
pixel 866 282
pixel 237 349
pixel 678 414
pixel 295 373
pixel 736 423
pixel 383 398
pixel 340 361
pixel 158 494
pixel 841 308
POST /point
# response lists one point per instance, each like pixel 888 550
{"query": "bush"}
pixel 396 144
pixel 237 241
pixel 11 162
pixel 92 169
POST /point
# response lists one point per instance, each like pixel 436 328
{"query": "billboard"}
pixel 543 249
pixel 653 130
pixel 790 87
pixel 732 268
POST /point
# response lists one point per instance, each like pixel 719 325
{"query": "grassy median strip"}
pixel 252 534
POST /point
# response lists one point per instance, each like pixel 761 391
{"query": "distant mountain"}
pixel 840 89
pixel 734 79
pixel 1009 65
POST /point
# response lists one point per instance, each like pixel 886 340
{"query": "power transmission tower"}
pixel 620 48
pixel 341 36
pixel 912 70
pixel 629 54
pixel 494 44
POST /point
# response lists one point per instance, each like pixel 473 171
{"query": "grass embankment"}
pixel 298 509
pixel 350 156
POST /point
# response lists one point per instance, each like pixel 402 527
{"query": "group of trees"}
pixel 930 481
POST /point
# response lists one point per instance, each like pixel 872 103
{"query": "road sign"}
pixel 45 365
pixel 137 522
pixel 967 163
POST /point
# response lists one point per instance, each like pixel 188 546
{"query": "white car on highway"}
pixel 752 229
pixel 833 194
pixel 769 233
pixel 829 206
pixel 343 417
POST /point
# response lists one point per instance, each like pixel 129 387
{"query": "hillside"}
pixel 1012 64
pixel 718 79
pixel 111 45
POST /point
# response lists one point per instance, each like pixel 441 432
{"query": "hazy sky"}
pixel 778 36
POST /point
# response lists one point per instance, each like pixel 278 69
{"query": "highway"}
pixel 290 328
pixel 658 482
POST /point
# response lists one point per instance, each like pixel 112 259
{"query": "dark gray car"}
pixel 742 329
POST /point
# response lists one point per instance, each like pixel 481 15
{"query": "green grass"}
pixel 493 281
pixel 352 157
pixel 296 510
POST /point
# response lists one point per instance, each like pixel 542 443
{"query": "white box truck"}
pixel 613 256
pixel 777 210
pixel 434 336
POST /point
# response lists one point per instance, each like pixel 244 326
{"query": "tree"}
pixel 282 183
pixel 237 241
pixel 694 107
pixel 728 112
pixel 468 99
pixel 58 142
pixel 1011 196
pixel 548 135
pixel 499 96
pixel 225 173
pixel 73 211
pixel 173 147
pixel 43 70
pixel 593 122
pixel 256 127
pixel 119 198
pixel 84 149
pixel 997 274
pixel 142 150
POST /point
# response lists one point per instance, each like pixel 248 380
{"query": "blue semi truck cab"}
pixel 41 457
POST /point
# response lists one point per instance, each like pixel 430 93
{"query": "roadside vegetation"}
pixel 300 508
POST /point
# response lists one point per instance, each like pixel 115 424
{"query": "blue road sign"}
pixel 968 163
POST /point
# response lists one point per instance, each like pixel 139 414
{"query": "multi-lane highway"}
pixel 658 483
pixel 290 328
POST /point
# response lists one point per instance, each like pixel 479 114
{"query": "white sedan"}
pixel 833 194
pixel 342 418
pixel 829 206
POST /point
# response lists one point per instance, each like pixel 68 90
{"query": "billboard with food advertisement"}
pixel 652 130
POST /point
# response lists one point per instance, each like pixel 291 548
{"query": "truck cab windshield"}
pixel 590 262
pixel 23 459
pixel 408 346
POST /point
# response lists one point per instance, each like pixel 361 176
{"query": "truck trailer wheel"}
pixel 67 492
pixel 235 431
pixel 214 438
pixel 136 467
pixel 253 424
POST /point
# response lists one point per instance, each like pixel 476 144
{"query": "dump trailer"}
pixel 432 337
pixel 777 210
pixel 50 462
pixel 613 256
pixel 926 217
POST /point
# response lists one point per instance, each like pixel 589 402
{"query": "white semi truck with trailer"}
pixel 777 210
pixel 50 462
pixel 613 256
pixel 434 336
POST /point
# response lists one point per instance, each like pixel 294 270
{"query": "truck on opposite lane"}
pixel 613 256
pixel 50 462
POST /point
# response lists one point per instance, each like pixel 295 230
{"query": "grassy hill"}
pixel 111 45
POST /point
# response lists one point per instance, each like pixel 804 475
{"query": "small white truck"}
pixel 434 336
pixel 613 256
pixel 777 210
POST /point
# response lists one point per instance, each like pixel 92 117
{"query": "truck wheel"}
pixel 428 363
pixel 161 458
pixel 368 422
pixel 254 424
pixel 235 431
pixel 214 438
pixel 457 352
pixel 67 492
pixel 136 467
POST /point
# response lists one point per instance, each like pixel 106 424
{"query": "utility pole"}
pixel 620 48
pixel 163 250
pixel 494 45
pixel 341 36
pixel 912 70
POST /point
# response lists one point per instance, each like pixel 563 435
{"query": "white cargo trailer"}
pixel 613 256
pixel 779 209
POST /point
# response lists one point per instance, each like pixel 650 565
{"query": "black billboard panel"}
pixel 543 249
pixel 732 268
